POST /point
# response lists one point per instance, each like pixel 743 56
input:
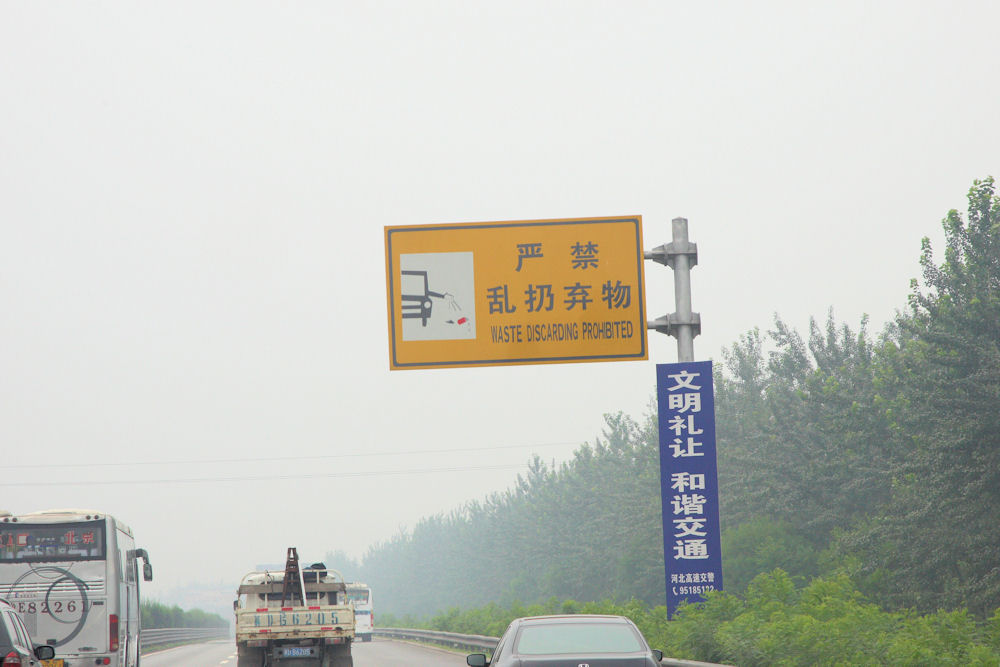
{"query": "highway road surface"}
pixel 383 652
pixel 378 653
pixel 209 654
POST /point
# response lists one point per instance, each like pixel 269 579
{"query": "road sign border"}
pixel 636 220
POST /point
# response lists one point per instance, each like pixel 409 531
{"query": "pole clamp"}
pixel 668 324
pixel 665 254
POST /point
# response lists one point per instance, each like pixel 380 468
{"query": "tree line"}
pixel 844 456
pixel 776 622
pixel 158 615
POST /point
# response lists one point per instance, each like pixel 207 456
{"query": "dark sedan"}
pixel 570 641
pixel 16 645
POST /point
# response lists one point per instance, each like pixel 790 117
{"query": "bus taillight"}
pixel 113 632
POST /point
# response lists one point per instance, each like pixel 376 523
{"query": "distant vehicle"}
pixel 16 646
pixel 73 577
pixel 360 595
pixel 294 618
pixel 556 641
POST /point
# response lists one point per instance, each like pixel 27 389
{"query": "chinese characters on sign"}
pixel 540 291
pixel 688 481
pixel 27 542
pixel 540 297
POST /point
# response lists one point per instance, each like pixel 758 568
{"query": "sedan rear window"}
pixel 577 638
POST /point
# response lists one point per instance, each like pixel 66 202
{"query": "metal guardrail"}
pixel 477 643
pixel 453 639
pixel 677 662
pixel 158 636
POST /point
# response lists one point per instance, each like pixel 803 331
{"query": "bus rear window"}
pixel 357 596
pixel 83 540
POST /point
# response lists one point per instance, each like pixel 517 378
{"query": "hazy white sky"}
pixel 193 197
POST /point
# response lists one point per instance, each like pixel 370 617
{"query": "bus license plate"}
pixel 55 662
pixel 297 652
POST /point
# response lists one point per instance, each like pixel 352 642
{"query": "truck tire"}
pixel 250 657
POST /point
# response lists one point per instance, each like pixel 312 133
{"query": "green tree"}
pixel 937 539
pixel 158 615
pixel 799 429
pixel 761 545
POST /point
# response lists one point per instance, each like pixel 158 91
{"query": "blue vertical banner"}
pixel 689 481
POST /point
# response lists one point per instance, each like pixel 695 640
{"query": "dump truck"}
pixel 297 618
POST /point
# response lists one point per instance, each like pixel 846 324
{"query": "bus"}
pixel 360 595
pixel 73 576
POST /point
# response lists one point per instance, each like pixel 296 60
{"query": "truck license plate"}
pixel 55 662
pixel 297 652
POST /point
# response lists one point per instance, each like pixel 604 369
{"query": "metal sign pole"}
pixel 681 256
pixel 689 487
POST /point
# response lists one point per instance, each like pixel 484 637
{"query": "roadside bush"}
pixel 826 622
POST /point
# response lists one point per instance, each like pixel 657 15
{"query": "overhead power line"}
pixel 266 478
pixel 275 459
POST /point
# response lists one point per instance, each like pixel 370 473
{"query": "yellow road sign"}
pixel 522 292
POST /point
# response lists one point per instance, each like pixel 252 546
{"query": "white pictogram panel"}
pixel 437 296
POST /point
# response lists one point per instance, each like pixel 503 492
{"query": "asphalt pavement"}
pixel 377 653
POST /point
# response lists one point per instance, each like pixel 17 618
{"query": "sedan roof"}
pixel 559 618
